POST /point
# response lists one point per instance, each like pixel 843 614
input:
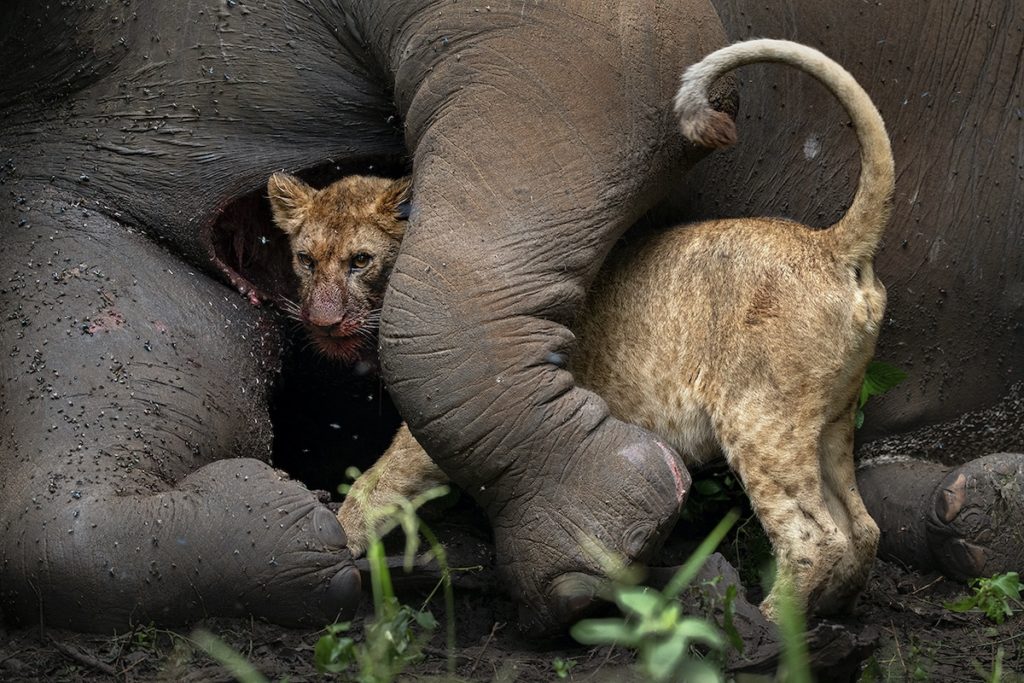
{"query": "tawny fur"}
pixel 344 240
pixel 743 338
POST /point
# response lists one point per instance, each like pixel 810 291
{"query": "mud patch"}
pixel 920 640
pixel 999 428
pixel 106 320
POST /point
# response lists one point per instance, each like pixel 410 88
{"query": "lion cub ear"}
pixel 397 199
pixel 289 199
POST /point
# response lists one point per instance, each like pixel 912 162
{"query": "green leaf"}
pixel 384 602
pixel 872 672
pixel 728 626
pixel 426 620
pixel 339 627
pixel 562 666
pixel 701 631
pixel 661 658
pixel 992 596
pixel 1008 584
pixel 333 655
pixel 240 668
pixel 641 601
pixel 603 632
pixel 998 611
pixel 698 671
pixel 669 617
pixel 964 604
pixel 707 487
pixel 879 378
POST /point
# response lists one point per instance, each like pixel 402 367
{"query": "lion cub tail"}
pixel 856 235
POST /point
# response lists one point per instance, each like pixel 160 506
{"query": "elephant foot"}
pixel 557 543
pixel 966 522
pixel 235 538
pixel 286 550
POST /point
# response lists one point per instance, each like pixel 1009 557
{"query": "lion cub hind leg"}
pixel 840 481
pixel 780 470
pixel 404 471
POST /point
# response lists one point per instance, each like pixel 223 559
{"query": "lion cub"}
pixel 743 338
pixel 344 241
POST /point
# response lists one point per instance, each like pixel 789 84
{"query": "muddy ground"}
pixel 913 636
pixel 901 629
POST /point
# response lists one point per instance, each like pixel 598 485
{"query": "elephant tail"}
pixel 855 236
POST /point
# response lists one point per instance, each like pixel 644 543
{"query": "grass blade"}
pixel 688 572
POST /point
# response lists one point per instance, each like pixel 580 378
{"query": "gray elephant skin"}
pixel 951 257
pixel 135 433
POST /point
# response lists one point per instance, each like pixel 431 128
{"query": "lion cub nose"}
pixel 324 321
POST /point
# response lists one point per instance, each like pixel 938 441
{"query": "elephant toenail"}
pixel 574 595
pixel 948 505
pixel 328 528
pixel 637 540
pixel 964 559
pixel 344 591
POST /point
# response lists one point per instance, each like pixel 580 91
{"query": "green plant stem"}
pixel 239 667
pixel 792 625
pixel 449 593
pixel 380 580
pixel 685 576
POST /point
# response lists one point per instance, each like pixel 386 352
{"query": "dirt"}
pixel 900 631
pixel 911 636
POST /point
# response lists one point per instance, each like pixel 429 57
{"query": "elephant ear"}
pixel 396 201
pixel 289 200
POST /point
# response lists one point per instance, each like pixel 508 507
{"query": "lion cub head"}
pixel 344 241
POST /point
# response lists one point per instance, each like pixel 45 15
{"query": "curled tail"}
pixel 855 236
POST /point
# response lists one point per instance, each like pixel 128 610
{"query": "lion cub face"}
pixel 344 241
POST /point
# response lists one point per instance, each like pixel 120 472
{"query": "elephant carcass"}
pixel 132 128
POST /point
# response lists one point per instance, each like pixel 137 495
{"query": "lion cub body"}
pixel 747 339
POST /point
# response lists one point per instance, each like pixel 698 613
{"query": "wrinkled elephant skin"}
pixel 949 85
pixel 134 433
pixel 125 379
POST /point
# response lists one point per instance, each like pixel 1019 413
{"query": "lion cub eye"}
pixel 305 260
pixel 361 260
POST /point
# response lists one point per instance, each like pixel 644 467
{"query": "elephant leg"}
pixel 965 521
pixel 404 471
pixel 570 491
pixel 134 425
pixel 235 538
pixel 524 180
